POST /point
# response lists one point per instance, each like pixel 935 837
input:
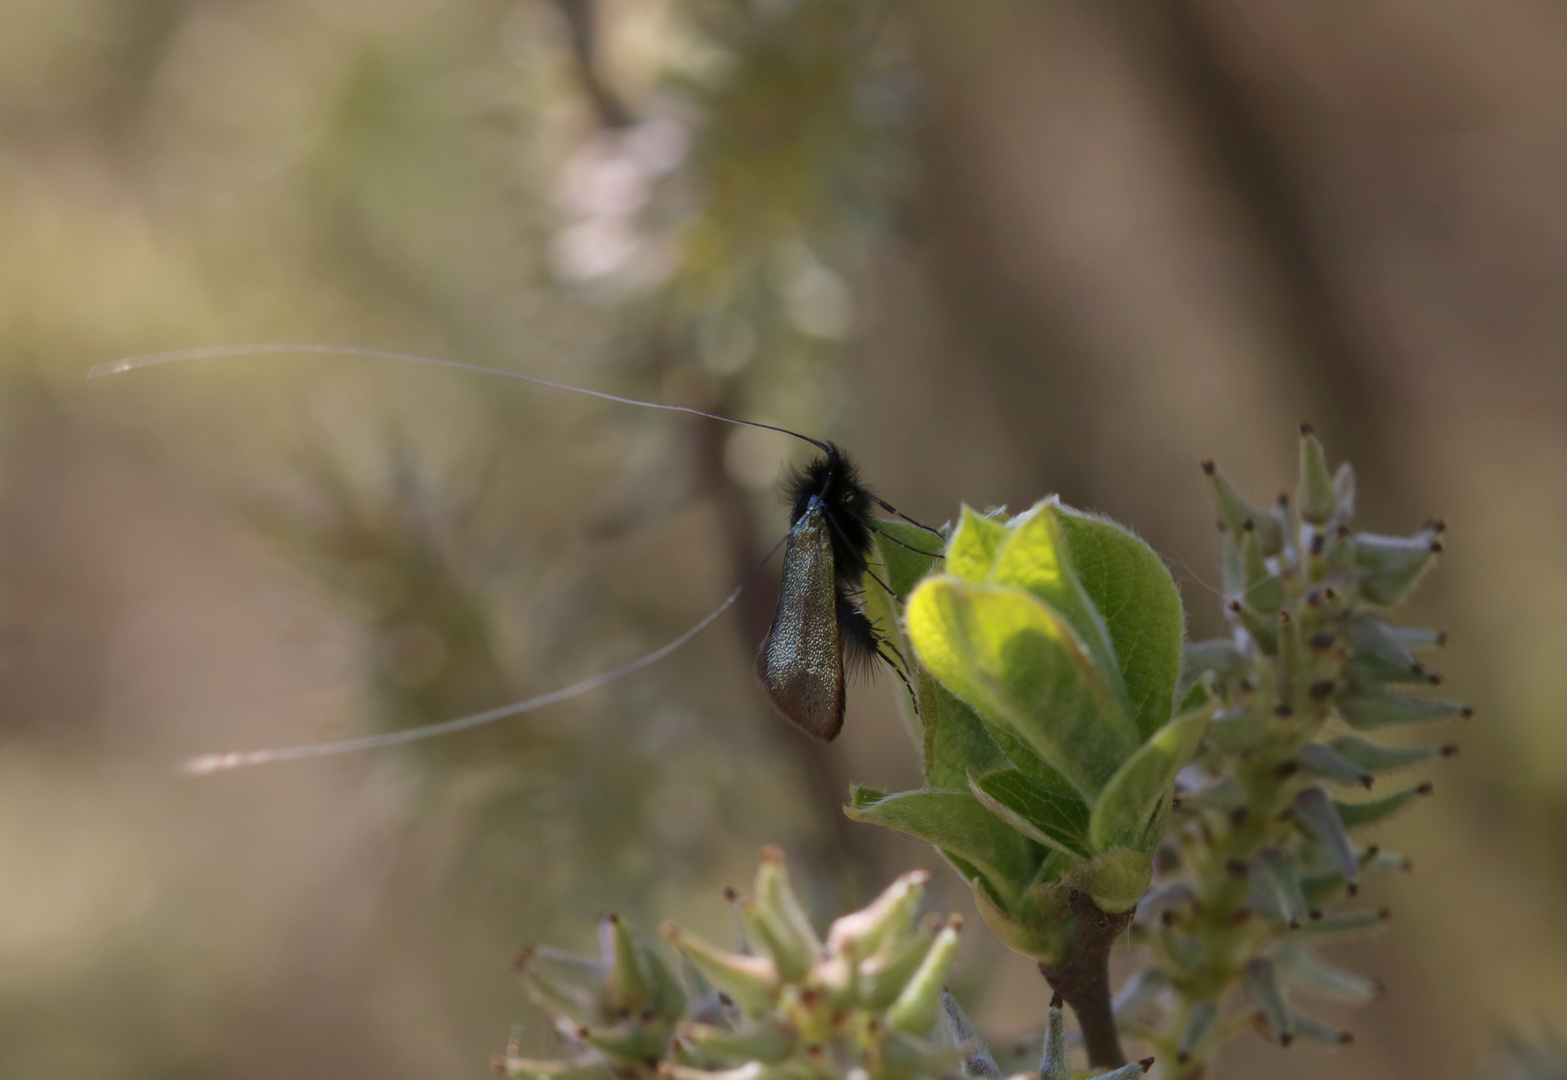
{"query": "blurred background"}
pixel 999 250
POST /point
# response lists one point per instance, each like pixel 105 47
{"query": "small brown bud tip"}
pixel 1306 428
pixel 1345 1038
pixel 1314 914
pixel 1434 678
pixel 1055 1000
pixel 1167 918
pixel 1450 750
pixel 771 854
pixel 725 1000
pixel 1285 1040
pixel 520 960
pixel 1239 815
pixel 1146 1063
pixel 612 917
pixel 1436 547
pixel 1248 525
pixel 1286 769
pixel 730 895
pixel 814 1050
pixel 1321 691
pixel 1372 850
pixel 1385 914
pixel 1175 803
pixel 1352 889
pixel 1234 605
pixel 1342 532
pixel 1437 525
pixel 1319 542
pixel 1367 781
pixel 1182 1058
pixel 1284 500
pixel 1466 712
pixel 1236 868
pixel 955 921
pixel 808 998
pixel 1425 788
pixel 583 1031
pixel 1320 642
pixel 669 931
pixel 498 1066
pixel 1441 639
pixel 1208 467
pixel 1284 618
pixel 1283 712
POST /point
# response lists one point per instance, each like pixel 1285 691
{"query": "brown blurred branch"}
pixel 581 17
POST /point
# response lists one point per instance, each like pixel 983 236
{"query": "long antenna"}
pixel 207 764
pixel 133 363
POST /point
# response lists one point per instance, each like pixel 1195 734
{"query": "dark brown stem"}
pixel 1084 980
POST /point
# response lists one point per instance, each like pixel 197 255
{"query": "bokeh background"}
pixel 998 249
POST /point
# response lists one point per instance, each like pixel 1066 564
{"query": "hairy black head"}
pixel 846 504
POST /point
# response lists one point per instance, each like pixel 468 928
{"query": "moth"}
pixel 820 634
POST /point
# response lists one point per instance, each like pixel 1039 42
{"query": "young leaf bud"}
pixel 769 1041
pixel 1390 566
pixel 1357 815
pixel 1236 511
pixel 1314 494
pixel 1301 967
pixel 1137 991
pixel 1368 710
pixel 1319 814
pixel 1054 1063
pixel 1262 983
pixel 1377 759
pixel 1328 764
pixel 890 914
pixel 914 1012
pixel 752 981
pixel 1199 1024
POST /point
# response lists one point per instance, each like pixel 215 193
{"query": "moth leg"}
pixel 897 669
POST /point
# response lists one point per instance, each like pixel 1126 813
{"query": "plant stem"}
pixel 1084 980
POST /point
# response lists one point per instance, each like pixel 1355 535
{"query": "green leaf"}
pixel 1135 791
pixel 956 822
pixel 1115 879
pixel 1036 557
pixel 956 743
pixel 1038 927
pixel 1054 818
pixel 908 552
pixel 1020 665
pixel 972 553
pixel 1128 583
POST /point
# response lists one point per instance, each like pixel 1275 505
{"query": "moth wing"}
pixel 801 662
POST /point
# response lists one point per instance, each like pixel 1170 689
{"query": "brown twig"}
pixel 1084 980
